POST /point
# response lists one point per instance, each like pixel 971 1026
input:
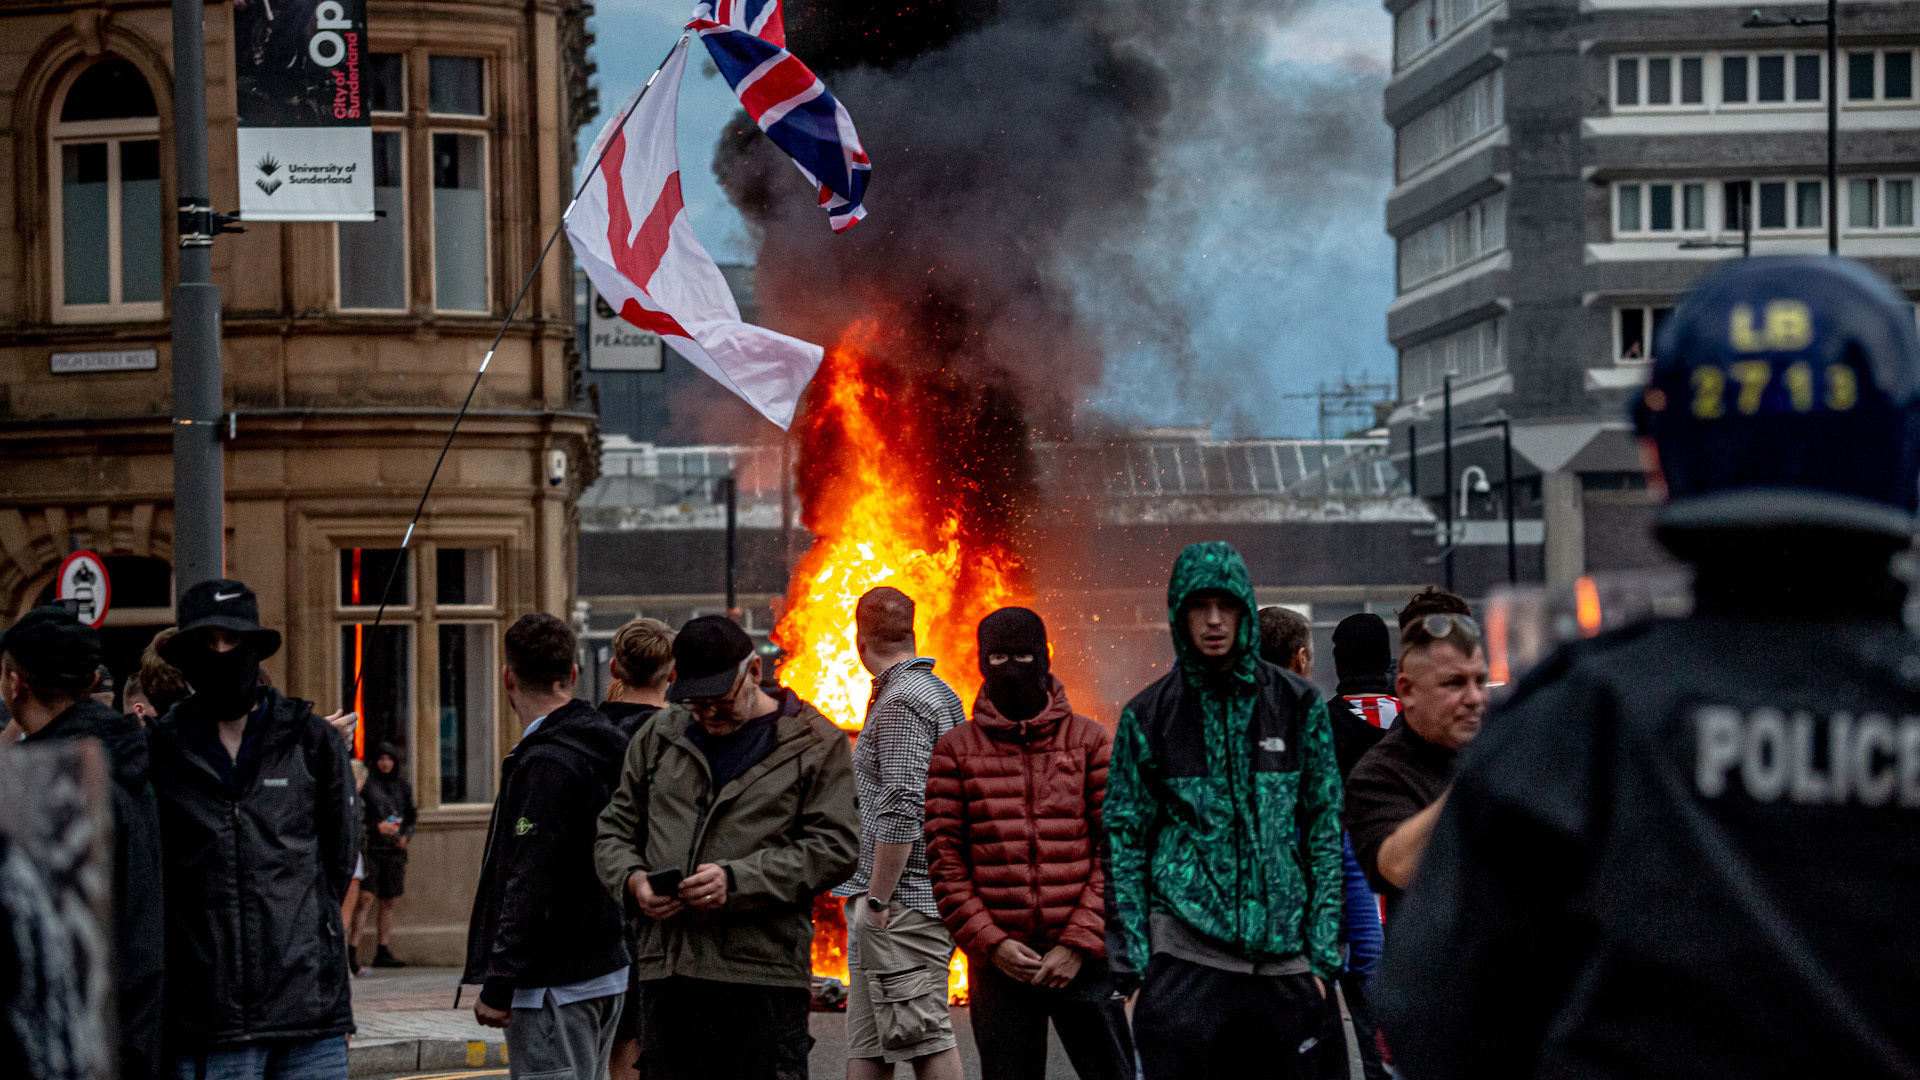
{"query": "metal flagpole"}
pixel 386 591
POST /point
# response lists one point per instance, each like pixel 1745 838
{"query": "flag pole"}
pixel 386 591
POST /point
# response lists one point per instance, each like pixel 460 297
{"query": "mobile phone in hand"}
pixel 665 883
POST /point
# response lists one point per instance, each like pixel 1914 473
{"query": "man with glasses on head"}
pixel 1395 793
pixel 735 809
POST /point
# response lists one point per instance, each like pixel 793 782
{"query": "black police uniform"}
pixel 1691 847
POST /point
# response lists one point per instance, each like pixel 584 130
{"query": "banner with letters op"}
pixel 305 140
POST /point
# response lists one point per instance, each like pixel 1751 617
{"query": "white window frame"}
pixel 486 87
pixel 1879 227
pixel 1647 325
pixel 1435 123
pixel 113 133
pixel 1465 237
pixel 406 90
pixel 1880 100
pixel 1425 354
pixel 1424 26
pixel 1643 69
pixel 406 247
pixel 486 203
pixel 1646 231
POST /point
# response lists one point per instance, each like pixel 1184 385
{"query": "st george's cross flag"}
pixel 747 40
pixel 630 231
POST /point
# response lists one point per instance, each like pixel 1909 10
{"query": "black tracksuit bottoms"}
pixel 1193 1022
pixel 1010 1025
pixel 697 1029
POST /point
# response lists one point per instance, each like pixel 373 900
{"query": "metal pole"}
pixel 1506 452
pixel 1746 222
pixel 1413 461
pixel 1446 468
pixel 733 502
pixel 199 480
pixel 1833 127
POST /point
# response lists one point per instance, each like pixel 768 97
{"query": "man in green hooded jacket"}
pixel 1223 811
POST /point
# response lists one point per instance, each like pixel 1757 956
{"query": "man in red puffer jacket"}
pixel 1014 843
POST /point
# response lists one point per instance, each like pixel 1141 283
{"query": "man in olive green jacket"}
pixel 746 798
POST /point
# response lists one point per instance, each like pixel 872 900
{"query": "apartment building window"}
pixel 1474 352
pixel 456 87
pixel 1453 241
pixel 1641 82
pixel 1880 76
pixel 386 83
pixel 1772 79
pixel 108 223
pixel 1880 203
pixel 1429 22
pixel 372 255
pixel 466 608
pixel 1466 116
pixel 1635 329
pixel 1660 208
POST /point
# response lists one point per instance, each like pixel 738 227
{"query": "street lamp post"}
pixel 1758 21
pixel 1505 424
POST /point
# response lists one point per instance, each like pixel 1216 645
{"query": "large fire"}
pixel 887 505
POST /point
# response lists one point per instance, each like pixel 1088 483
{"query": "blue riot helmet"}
pixel 1785 392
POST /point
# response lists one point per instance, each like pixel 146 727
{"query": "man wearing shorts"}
pixel 897 947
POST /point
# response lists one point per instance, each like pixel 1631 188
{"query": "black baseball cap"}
pixel 228 605
pixel 50 643
pixel 708 655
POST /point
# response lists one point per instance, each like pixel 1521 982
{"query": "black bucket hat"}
pixel 228 605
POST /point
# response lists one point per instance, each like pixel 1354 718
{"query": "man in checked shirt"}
pixel 897 947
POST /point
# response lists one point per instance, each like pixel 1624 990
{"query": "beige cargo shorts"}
pixel 897 984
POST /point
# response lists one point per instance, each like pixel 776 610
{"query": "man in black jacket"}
pixel 546 943
pixel 47 663
pixel 260 826
pixel 1687 847
pixel 389 813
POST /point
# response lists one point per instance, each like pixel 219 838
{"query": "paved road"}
pixel 417 1003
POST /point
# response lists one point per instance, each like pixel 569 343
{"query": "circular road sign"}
pixel 83 580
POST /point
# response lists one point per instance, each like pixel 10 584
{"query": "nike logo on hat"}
pixel 223 597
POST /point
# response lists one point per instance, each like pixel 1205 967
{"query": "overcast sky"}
pixel 1272 226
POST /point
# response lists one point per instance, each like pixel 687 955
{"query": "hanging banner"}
pixel 305 141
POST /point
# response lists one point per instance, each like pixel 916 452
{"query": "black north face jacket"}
pixel 1690 848
pixel 540 917
pixel 255 875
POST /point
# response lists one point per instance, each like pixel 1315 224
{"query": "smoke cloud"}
pixel 1074 200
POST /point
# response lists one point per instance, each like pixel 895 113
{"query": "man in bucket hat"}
pixel 260 826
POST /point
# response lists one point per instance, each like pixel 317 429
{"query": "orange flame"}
pixel 885 507
pixel 878 519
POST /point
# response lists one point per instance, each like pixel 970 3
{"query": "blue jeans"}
pixel 321 1059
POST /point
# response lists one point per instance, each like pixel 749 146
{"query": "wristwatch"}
pixel 874 903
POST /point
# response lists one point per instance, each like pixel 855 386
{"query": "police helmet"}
pixel 1785 391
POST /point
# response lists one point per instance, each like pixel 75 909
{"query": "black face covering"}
pixel 1018 688
pixel 226 684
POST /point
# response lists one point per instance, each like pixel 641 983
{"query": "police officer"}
pixel 1691 847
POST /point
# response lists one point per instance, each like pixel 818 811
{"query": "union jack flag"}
pixel 1380 710
pixel 747 40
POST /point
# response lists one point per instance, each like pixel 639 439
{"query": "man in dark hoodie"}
pixel 47 664
pixel 546 944
pixel 1223 804
pixel 260 827
pixel 389 813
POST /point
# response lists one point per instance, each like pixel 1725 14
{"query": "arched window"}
pixel 108 221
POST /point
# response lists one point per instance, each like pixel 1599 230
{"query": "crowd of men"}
pixel 1683 848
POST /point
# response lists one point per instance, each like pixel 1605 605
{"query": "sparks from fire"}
pixel 879 517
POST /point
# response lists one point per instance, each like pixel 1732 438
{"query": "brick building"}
pixel 346 350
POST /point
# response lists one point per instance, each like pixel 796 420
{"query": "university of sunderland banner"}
pixel 306 145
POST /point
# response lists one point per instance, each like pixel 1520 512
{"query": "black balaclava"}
pixel 225 683
pixel 1018 689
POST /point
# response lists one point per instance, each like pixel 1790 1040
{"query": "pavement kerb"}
pixel 378 1057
